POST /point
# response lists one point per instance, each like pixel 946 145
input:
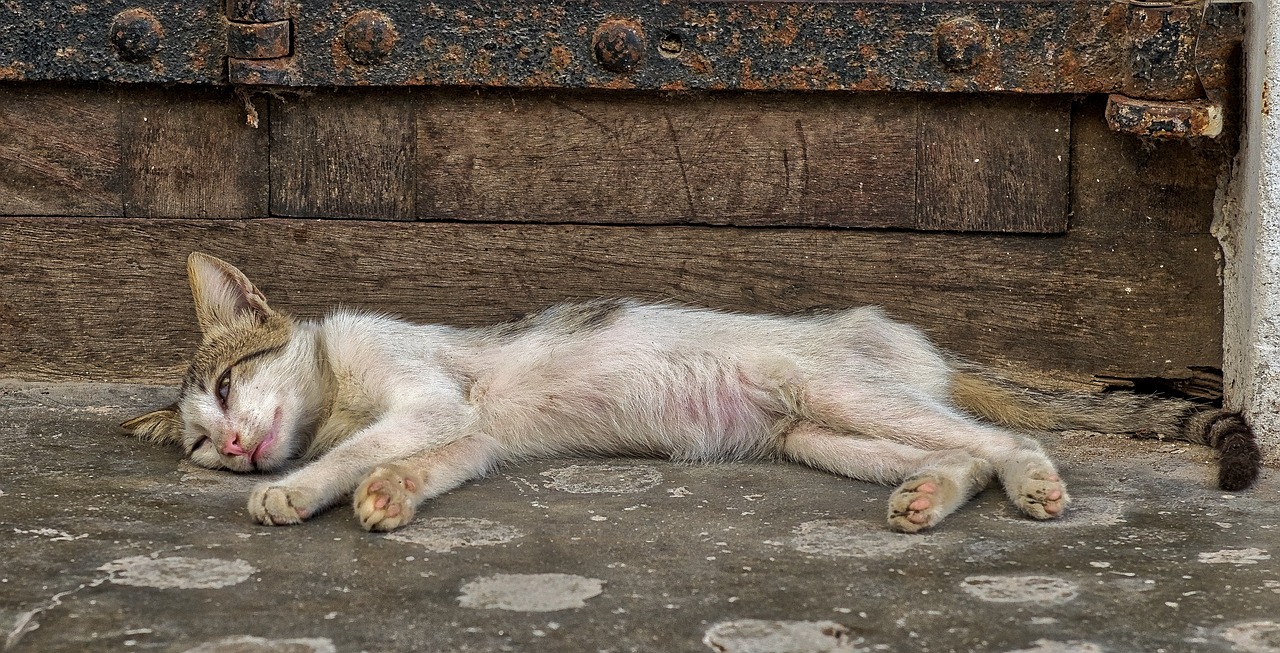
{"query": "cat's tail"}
pixel 1239 459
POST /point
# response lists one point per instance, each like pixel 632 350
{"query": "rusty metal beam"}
pixel 112 40
pixel 1013 46
pixel 1026 46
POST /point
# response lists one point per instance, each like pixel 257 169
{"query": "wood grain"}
pixel 994 163
pixel 59 150
pixel 343 155
pixel 759 159
pixel 106 300
pixel 191 154
pixel 1123 183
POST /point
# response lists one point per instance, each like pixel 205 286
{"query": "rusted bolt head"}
pixel 961 44
pixel 136 35
pixel 619 46
pixel 368 37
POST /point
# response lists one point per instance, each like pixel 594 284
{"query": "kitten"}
pixel 398 413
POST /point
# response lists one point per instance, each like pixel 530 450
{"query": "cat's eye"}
pixel 224 388
pixel 204 439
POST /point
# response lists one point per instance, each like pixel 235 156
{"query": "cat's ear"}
pixel 223 295
pixel 162 426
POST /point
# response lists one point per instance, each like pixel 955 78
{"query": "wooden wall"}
pixel 1017 230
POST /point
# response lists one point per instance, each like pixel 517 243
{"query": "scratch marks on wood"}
pixel 684 173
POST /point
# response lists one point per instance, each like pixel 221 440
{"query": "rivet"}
pixel 961 43
pixel 619 45
pixel 369 36
pixel 136 35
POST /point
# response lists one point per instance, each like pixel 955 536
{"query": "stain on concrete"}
pixel 26 621
pixel 764 636
pixel 530 592
pixel 851 538
pixel 53 534
pixel 1020 589
pixel 444 534
pixel 1049 646
pixel 602 479
pixel 250 644
pixel 178 572
pixel 1248 556
pixel 1254 636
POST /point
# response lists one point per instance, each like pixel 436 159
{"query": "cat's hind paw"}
pixel 275 505
pixel 386 498
pixel 1042 496
pixel 921 502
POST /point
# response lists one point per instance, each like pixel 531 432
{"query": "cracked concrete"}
pixel 111 544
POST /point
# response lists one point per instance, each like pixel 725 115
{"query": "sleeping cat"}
pixel 397 413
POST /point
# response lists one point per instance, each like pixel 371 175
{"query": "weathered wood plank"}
pixel 107 300
pixel 1123 183
pixel 190 154
pixel 344 155
pixel 645 159
pixel 59 150
pixel 994 163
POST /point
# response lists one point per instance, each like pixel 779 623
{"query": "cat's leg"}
pixel 389 495
pixel 1030 479
pixel 933 484
pixel 320 484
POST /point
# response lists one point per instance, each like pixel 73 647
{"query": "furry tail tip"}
pixel 1239 459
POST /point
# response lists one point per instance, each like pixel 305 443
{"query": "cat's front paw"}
pixel 275 505
pixel 385 500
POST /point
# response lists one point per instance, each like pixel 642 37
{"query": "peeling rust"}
pixel 1164 120
pixel 257 11
pixel 961 44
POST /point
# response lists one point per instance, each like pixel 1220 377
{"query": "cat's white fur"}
pixel 396 413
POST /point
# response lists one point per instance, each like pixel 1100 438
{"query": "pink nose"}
pixel 232 446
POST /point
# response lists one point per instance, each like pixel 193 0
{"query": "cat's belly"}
pixel 722 415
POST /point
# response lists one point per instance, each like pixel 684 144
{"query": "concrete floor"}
pixel 110 544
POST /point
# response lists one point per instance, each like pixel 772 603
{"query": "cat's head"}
pixel 248 399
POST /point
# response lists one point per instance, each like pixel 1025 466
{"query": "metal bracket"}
pixel 259 42
pixel 1213 55
pixel 1164 120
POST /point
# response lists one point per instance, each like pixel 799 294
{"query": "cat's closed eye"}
pixel 224 388
pixel 195 446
